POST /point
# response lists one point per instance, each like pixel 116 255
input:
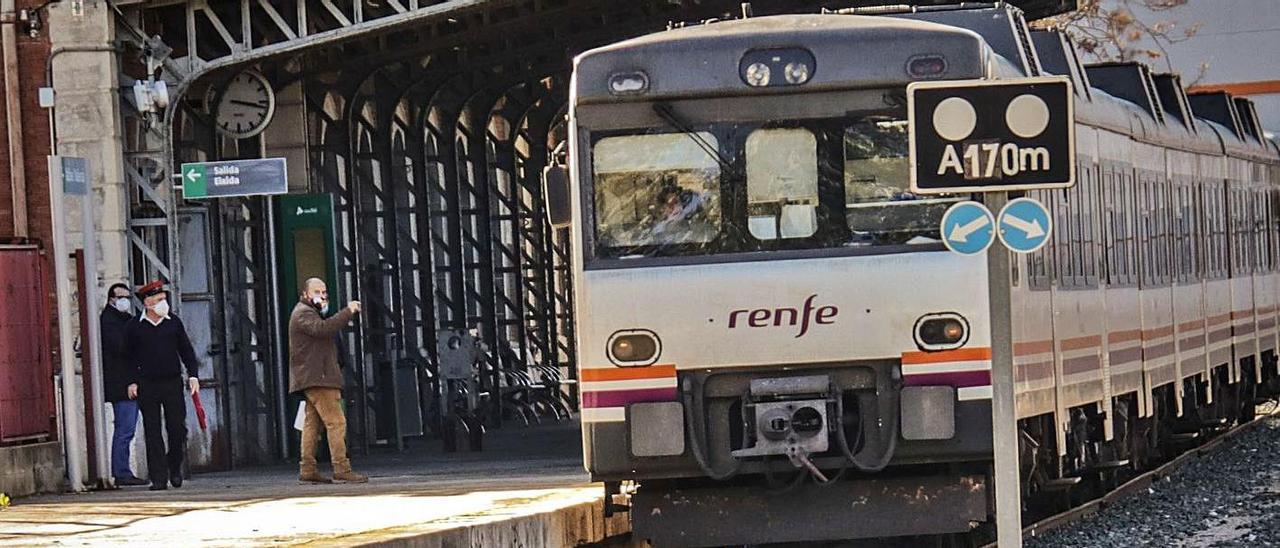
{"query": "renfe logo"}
pixel 777 317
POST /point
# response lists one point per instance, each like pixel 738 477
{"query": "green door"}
pixel 308 249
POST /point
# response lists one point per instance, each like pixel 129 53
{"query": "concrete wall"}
pixel 30 469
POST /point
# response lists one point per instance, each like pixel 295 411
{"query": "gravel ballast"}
pixel 1228 497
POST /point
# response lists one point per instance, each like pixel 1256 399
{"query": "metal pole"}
pixel 392 362
pixel 1004 427
pixel 93 341
pixel 73 436
pixel 273 272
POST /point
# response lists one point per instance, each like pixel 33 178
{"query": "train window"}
pixel 1110 226
pixel 1064 258
pixel 1179 232
pixel 1274 232
pixel 657 189
pixel 1118 196
pixel 782 183
pixel 1259 233
pixel 879 207
pixel 1218 226
pixel 1164 222
pixel 1088 217
pixel 1039 267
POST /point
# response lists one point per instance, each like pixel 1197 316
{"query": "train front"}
pixel 774 344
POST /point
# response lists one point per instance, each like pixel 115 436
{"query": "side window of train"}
pixel 1146 232
pixel 1262 242
pixel 1128 210
pixel 1273 231
pixel 1218 206
pixel 1111 198
pixel 1195 206
pixel 1040 263
pixel 1164 185
pixel 1090 219
pixel 1066 237
pixel 1222 207
pixel 1183 226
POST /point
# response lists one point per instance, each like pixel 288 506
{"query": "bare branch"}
pixel 1113 32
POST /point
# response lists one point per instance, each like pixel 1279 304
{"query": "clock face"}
pixel 246 105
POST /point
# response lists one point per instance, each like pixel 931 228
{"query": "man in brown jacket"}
pixel 313 371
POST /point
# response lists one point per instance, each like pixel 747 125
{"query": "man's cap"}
pixel 150 289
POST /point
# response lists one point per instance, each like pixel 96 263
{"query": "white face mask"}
pixel 319 303
pixel 122 304
pixel 161 308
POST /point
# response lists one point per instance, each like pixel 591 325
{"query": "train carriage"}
pixel 775 345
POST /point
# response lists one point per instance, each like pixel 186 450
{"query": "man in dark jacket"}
pixel 116 377
pixel 313 370
pixel 159 347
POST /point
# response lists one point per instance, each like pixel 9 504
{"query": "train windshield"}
pixel 728 188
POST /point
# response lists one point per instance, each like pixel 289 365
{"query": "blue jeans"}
pixel 126 424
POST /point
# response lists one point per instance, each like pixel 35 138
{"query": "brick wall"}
pixel 32 55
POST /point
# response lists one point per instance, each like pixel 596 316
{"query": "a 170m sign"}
pixel 234 178
pixel 991 135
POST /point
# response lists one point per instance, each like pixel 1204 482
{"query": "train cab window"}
pixel 782 183
pixel 656 189
pixel 879 207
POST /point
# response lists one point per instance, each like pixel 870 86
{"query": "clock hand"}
pixel 247 103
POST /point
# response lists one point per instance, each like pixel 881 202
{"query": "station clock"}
pixel 243 106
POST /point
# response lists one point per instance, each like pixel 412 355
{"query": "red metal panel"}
pixel 26 392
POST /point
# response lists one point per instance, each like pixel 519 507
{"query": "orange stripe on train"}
pixel 957 355
pixel 627 373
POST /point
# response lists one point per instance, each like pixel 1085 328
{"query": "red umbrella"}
pixel 195 400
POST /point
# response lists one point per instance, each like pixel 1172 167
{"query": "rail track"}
pixel 1140 482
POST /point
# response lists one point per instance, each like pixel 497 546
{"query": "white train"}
pixel 775 345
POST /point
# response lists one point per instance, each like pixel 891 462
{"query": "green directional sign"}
pixel 234 178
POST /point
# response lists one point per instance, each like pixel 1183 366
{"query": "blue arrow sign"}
pixel 968 228
pixel 1024 225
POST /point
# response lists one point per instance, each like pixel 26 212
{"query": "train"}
pixel 775 345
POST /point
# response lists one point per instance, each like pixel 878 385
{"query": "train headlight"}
pixel 758 74
pixel 941 331
pixel 927 66
pixel 796 73
pixel 636 347
pixel 776 67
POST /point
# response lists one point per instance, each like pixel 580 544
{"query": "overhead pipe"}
pixel 13 113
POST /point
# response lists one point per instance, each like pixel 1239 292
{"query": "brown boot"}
pixel 312 476
pixel 349 477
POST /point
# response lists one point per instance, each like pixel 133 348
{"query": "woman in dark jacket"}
pixel 115 380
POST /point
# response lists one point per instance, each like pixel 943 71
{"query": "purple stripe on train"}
pixel 620 398
pixel 958 379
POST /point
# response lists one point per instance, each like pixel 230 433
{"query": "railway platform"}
pixel 527 488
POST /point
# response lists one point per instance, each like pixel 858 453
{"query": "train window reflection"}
pixel 656 189
pixel 880 208
pixel 782 183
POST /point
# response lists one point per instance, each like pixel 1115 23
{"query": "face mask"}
pixel 161 308
pixel 122 304
pixel 318 303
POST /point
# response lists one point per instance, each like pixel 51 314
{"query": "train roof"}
pixel 889 43
pixel 979 40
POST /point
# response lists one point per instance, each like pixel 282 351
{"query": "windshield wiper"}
pixel 664 111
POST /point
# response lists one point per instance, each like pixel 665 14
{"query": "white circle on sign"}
pixel 1027 116
pixel 954 119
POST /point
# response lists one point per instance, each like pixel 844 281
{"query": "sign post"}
pixel 69 177
pixel 994 137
